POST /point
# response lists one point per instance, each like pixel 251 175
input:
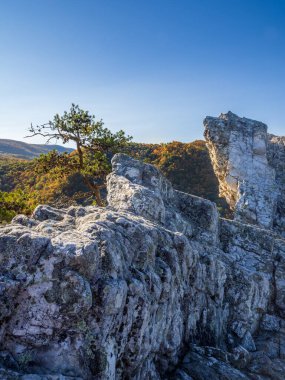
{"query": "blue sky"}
pixel 154 68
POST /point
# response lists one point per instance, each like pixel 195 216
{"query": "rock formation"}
pixel 276 158
pixel 250 168
pixel 155 286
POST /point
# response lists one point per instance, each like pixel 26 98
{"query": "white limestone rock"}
pixel 155 286
pixel 276 158
pixel 238 150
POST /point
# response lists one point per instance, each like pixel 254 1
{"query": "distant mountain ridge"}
pixel 22 149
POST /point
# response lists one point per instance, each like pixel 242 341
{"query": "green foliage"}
pixel 13 203
pixel 94 145
pixel 10 170
pixel 55 179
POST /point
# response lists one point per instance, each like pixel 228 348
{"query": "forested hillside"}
pixel 24 150
pixel 186 165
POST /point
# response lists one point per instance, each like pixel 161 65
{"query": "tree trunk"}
pixel 98 197
pixel 95 190
pixel 80 154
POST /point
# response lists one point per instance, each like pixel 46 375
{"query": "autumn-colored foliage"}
pixel 188 167
pixel 24 185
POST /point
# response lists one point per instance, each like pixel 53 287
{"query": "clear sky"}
pixel 154 68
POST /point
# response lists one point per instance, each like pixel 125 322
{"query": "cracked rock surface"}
pixel 155 286
pixel 276 158
pixel 250 167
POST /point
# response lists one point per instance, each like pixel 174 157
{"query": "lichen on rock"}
pixel 237 148
pixel 154 286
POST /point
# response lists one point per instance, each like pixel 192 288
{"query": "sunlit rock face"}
pixel 249 165
pixel 155 286
pixel 276 158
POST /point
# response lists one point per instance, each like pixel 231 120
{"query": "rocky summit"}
pixel 155 285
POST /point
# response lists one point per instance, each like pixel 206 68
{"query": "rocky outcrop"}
pixel 276 158
pixel 249 165
pixel 155 286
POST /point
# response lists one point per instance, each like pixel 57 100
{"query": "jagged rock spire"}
pixel 239 152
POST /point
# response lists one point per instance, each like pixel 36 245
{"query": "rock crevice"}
pixel 155 286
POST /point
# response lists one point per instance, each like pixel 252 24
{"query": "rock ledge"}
pixel 155 286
